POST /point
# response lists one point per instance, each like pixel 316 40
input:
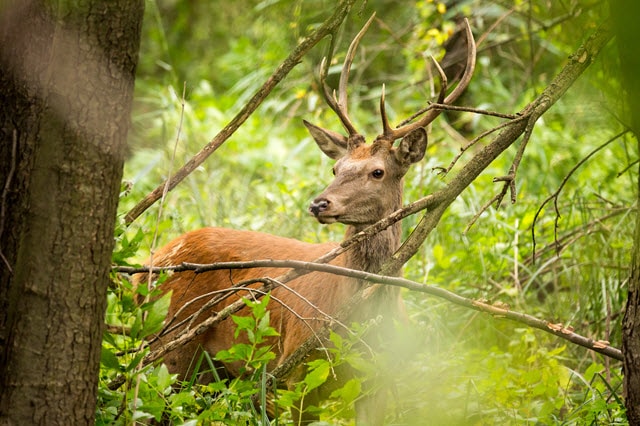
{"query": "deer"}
pixel 367 187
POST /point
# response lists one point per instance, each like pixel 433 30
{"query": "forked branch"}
pixel 328 27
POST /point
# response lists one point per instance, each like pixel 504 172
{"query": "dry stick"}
pixel 479 111
pixel 566 240
pixel 444 171
pixel 510 179
pixel 328 27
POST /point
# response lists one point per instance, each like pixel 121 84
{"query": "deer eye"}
pixel 377 173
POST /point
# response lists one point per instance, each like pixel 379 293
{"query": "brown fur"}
pixel 357 197
pixel 210 245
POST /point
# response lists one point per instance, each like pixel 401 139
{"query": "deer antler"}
pixel 339 105
pixel 391 135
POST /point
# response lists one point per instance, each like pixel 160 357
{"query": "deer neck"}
pixel 370 254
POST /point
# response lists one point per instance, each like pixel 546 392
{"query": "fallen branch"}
pixel 496 309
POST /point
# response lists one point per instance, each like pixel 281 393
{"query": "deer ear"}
pixel 333 144
pixel 412 147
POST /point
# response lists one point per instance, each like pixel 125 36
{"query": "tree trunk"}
pixel 66 85
pixel 625 13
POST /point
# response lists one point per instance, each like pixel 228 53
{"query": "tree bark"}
pixel 66 84
pixel 624 13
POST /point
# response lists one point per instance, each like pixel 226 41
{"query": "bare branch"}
pixel 556 193
pixel 328 27
pixel 496 309
pixel 445 171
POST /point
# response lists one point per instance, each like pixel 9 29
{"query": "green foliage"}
pixel 145 393
pixel 151 393
pixel 459 367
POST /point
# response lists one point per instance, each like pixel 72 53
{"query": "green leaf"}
pixel 243 323
pixel 349 392
pixel 263 323
pixel 164 379
pixel 135 361
pixel 109 359
pixel 592 370
pixel 259 307
pixel 137 324
pixel 336 339
pixel 264 354
pixel 156 314
pixel 441 259
pixel 318 374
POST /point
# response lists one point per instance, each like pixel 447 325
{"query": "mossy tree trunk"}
pixel 66 84
pixel 625 14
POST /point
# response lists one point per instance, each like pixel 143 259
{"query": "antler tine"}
pixel 339 105
pixel 386 128
pixel 326 90
pixel 393 134
pixel 334 104
pixel 471 65
pixel 443 80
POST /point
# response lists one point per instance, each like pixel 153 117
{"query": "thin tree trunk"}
pixel 66 85
pixel 625 14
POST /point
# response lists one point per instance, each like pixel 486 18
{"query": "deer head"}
pixel 368 177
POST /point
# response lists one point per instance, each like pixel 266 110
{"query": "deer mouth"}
pixel 324 217
pixel 325 220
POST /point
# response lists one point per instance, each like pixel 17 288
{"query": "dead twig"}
pixel 555 195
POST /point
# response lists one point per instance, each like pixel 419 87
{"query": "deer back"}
pixel 295 309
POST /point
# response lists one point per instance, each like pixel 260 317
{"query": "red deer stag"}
pixel 367 187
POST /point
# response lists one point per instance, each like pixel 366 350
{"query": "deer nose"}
pixel 318 205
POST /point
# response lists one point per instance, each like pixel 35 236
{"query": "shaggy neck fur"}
pixel 371 253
